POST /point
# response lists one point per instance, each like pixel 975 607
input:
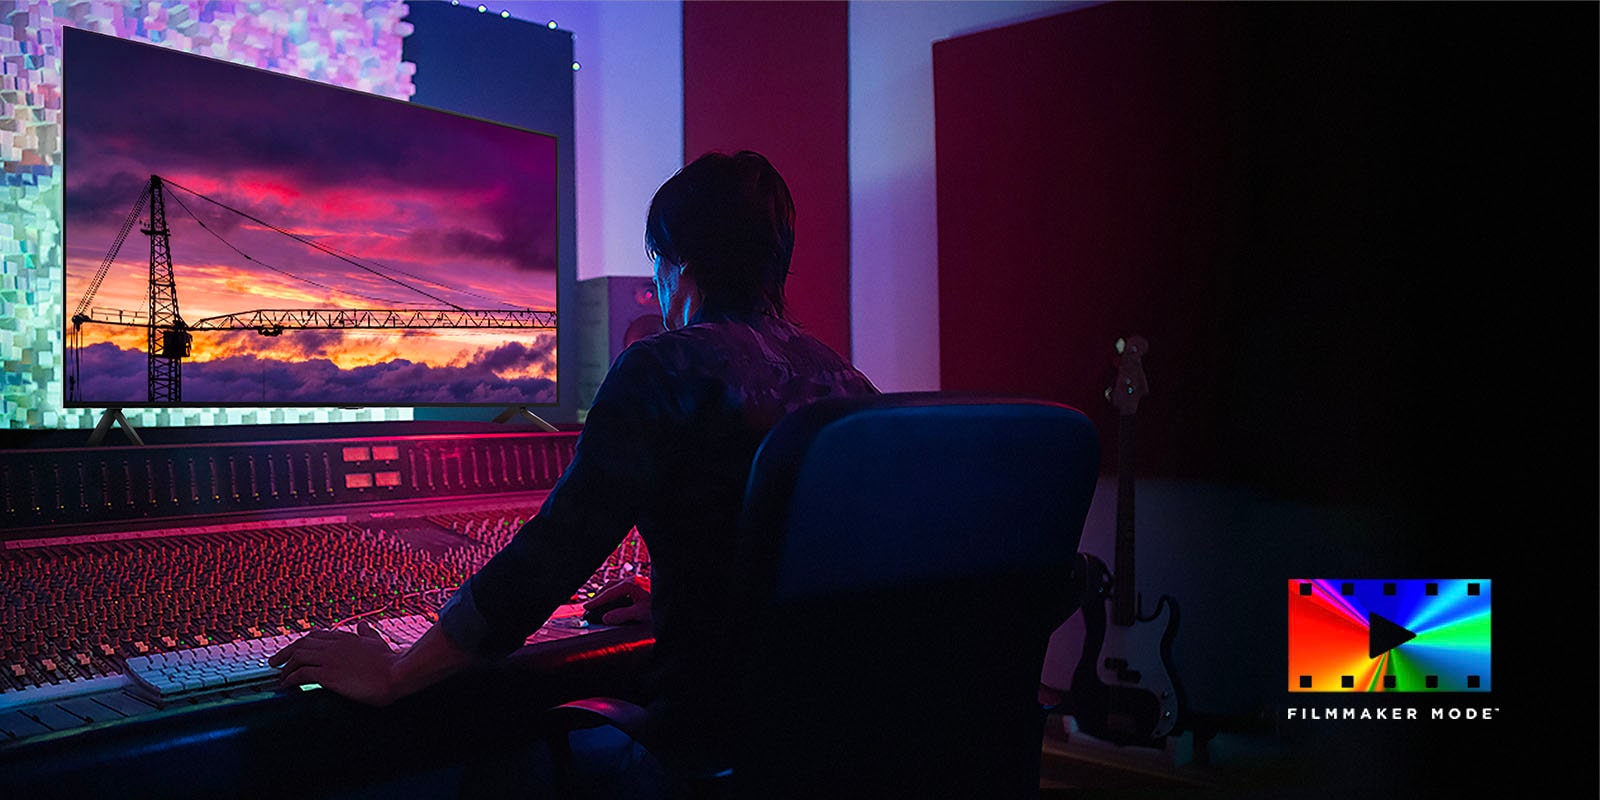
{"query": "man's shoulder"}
pixel 725 347
pixel 708 340
pixel 674 347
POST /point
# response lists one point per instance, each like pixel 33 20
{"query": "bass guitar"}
pixel 1123 687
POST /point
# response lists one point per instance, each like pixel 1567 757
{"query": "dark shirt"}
pixel 666 447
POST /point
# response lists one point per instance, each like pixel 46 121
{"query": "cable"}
pixel 434 283
pixel 391 603
pixel 250 258
pixel 316 245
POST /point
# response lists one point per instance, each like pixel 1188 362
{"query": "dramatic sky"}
pixel 441 209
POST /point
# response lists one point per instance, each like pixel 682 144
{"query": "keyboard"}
pixel 186 673
pixel 165 678
pixel 183 674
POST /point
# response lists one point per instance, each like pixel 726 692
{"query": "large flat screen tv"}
pixel 237 237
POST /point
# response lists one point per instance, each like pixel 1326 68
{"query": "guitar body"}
pixel 1122 690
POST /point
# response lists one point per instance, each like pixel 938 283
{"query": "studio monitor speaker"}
pixel 614 311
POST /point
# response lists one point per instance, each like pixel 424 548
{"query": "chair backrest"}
pixel 907 558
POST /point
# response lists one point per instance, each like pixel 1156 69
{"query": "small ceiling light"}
pixel 505 15
pixel 576 66
pixel 551 25
pixel 482 9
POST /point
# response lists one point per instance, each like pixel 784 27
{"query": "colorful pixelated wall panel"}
pixel 354 45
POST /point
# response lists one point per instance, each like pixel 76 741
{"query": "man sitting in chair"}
pixel 666 447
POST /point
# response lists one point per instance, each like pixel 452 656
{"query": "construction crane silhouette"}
pixel 169 339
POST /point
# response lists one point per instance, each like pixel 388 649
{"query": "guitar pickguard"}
pixel 1143 698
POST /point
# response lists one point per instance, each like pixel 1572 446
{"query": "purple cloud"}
pixel 117 377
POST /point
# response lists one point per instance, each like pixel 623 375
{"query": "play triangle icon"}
pixel 1384 635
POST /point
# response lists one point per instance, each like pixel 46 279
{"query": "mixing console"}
pixel 81 602
pixel 78 610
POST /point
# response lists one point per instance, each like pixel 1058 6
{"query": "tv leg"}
pixel 108 418
pixel 522 411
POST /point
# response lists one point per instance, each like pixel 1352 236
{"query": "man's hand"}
pixel 356 665
pixel 634 591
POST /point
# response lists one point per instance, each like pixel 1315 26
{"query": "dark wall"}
pixel 1433 170
pixel 1361 239
pixel 774 77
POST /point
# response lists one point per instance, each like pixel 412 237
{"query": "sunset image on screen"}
pixel 326 247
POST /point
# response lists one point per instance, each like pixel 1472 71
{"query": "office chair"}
pixel 907 557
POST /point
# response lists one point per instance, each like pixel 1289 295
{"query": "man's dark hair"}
pixel 730 220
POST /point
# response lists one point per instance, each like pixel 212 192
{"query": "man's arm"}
pixel 598 499
pixel 588 512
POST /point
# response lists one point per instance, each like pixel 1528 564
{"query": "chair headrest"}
pixel 847 494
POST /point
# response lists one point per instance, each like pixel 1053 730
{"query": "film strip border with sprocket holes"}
pixel 1390 635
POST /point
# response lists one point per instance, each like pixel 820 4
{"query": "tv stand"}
pixel 109 417
pixel 513 412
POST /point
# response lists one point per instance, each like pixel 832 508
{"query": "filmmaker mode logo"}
pixel 1409 635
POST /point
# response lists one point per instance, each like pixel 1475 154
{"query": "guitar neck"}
pixel 1124 592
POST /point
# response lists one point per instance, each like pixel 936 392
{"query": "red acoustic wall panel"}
pixel 774 77
pixel 1078 161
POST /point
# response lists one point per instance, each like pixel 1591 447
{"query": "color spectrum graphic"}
pixel 1410 635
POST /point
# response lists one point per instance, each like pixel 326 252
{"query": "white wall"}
pixel 629 126
pixel 629 96
pixel 894 248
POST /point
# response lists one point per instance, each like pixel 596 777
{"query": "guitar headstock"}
pixel 1130 386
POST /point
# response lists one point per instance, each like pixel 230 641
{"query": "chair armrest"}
pixel 592 712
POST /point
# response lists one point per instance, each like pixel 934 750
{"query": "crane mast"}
pixel 168 340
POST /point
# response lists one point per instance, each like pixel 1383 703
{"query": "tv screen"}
pixel 237 237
